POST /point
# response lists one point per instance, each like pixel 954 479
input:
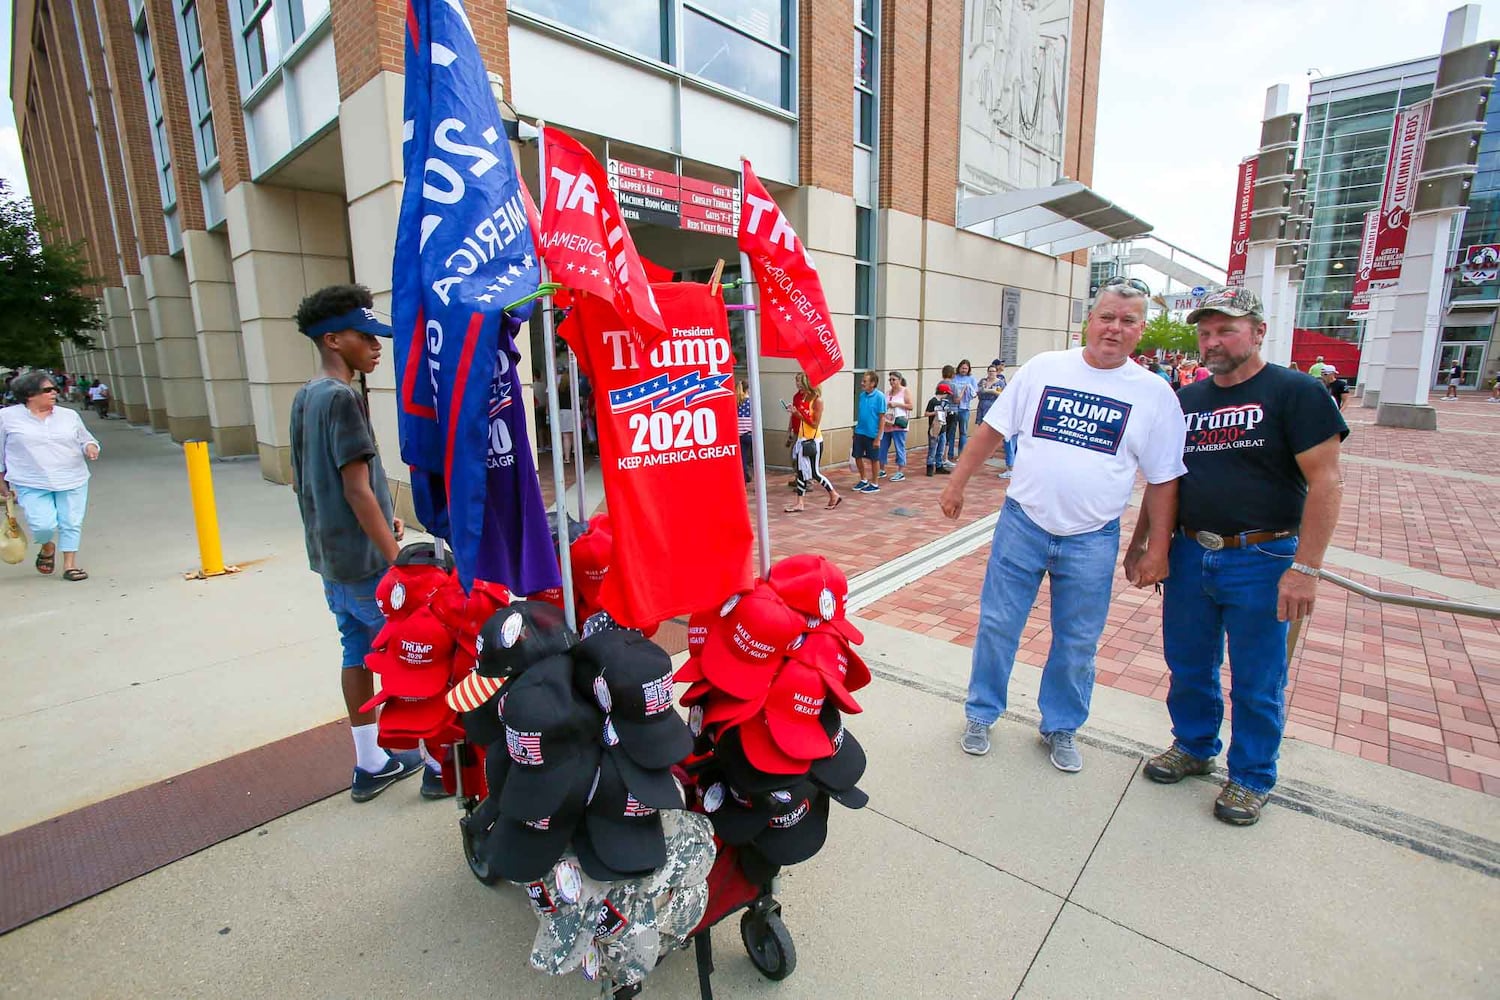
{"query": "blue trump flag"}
pixel 464 250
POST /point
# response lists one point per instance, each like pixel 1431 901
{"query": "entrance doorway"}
pixel 1461 345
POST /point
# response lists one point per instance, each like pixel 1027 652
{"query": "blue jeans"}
pixel 958 433
pixel 1010 452
pixel 938 445
pixel 358 616
pixel 1207 595
pixel 898 438
pixel 56 513
pixel 1081 569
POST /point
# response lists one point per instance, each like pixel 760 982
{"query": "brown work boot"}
pixel 1238 805
pixel 1173 764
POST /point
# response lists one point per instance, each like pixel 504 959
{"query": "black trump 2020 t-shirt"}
pixel 1242 447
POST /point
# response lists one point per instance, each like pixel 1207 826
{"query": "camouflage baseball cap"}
pixel 1230 302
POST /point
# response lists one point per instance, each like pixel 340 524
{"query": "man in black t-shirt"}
pixel 1256 511
pixel 1335 385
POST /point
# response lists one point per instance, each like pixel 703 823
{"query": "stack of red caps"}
pixel 426 646
pixel 590 554
pixel 763 666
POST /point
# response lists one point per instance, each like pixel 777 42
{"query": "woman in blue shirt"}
pixel 966 389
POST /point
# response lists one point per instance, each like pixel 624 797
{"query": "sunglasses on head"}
pixel 1119 280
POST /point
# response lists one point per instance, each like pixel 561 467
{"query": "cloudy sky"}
pixel 1181 91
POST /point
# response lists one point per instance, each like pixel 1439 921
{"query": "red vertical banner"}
pixel 1360 304
pixel 1239 240
pixel 1399 193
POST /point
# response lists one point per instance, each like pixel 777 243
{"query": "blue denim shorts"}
pixel 358 616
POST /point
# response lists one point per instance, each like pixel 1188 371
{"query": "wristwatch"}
pixel 1306 570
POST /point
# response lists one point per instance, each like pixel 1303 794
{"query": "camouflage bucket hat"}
pixel 1231 302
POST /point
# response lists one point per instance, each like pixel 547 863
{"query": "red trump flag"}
pixel 794 318
pixel 585 242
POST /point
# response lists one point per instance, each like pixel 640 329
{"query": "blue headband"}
pixel 362 320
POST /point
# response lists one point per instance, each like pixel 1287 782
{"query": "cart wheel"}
pixel 477 865
pixel 769 944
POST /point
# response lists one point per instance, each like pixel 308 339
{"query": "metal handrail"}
pixel 1425 603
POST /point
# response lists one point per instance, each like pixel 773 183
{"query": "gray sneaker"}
pixel 1064 755
pixel 976 739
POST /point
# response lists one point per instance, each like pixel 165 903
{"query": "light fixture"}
pixel 1338 265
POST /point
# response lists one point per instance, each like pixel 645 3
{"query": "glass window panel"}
pixel 190 31
pixel 168 185
pixel 247 10
pixel 210 144
pixel 200 90
pixel 294 14
pixel 864 58
pixel 763 19
pixel 864 231
pixel 864 12
pixel 1362 105
pixel 728 58
pixel 864 118
pixel 632 25
pixel 864 343
pixel 313 10
pixel 255 53
pixel 863 305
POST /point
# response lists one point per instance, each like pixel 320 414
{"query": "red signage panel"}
pixel 1239 240
pixel 1399 192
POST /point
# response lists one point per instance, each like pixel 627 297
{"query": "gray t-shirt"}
pixel 329 430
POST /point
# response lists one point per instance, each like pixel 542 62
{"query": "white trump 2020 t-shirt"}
pixel 1081 433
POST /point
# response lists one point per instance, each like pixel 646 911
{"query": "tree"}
pixel 1167 334
pixel 42 302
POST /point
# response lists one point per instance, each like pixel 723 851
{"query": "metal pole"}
pixel 559 481
pixel 577 394
pixel 757 422
pixel 205 510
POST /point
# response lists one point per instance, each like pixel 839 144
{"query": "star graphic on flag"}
pixel 526 260
pixel 495 287
pixel 485 298
pixel 570 266
pixel 595 272
pixel 504 281
pixel 515 272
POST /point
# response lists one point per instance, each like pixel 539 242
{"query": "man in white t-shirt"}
pixel 1086 420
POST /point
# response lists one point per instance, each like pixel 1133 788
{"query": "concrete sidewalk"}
pixel 995 876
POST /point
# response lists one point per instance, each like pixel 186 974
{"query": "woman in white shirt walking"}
pixel 42 452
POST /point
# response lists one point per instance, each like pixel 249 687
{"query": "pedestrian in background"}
pixel 744 424
pixel 809 448
pixel 1335 385
pixel 868 421
pixel 794 421
pixel 990 388
pixel 897 420
pixel 966 389
pixel 1092 421
pixel 940 410
pixel 1253 523
pixel 42 451
pixel 99 399
pixel 1455 379
pixel 348 523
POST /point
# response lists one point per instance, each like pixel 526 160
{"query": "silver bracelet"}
pixel 1306 570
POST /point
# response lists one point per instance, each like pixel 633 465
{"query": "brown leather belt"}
pixel 1213 541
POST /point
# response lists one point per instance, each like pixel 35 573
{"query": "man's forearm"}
pixel 982 444
pixel 1320 515
pixel 372 519
pixel 1158 516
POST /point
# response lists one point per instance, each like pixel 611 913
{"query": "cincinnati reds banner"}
pixel 463 251
pixel 1399 193
pixel 585 241
pixel 794 318
pixel 1360 304
pixel 670 454
pixel 1239 239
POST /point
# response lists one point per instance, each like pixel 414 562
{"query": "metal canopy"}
pixel 1055 220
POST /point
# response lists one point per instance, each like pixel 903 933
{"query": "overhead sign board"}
pixel 662 198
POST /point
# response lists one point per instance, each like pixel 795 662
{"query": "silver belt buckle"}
pixel 1210 541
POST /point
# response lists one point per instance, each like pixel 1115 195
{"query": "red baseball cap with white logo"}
pixel 811 584
pixel 404 589
pixel 748 642
pixel 794 706
pixel 417 661
pixel 405 720
pixel 590 554
pixel 698 628
pixel 764 753
pixel 832 658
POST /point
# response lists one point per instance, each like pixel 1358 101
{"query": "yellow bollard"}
pixel 205 511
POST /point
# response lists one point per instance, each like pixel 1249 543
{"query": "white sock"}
pixel 368 755
pixel 432 762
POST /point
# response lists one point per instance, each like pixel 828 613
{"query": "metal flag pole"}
pixel 757 422
pixel 559 481
pixel 576 393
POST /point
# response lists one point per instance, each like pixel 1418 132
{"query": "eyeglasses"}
pixel 1135 283
pixel 48 388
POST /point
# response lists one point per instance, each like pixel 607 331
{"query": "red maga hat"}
pixel 826 653
pixel 417 661
pixel 793 709
pixel 590 555
pixel 811 584
pixel 746 644
pixel 404 589
pixel 764 753
pixel 418 718
pixel 698 628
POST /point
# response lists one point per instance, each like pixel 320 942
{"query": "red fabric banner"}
pixel 1360 304
pixel 585 241
pixel 670 453
pixel 794 318
pixel 1239 240
pixel 1399 193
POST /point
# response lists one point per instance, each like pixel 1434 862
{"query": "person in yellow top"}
pixel 808 450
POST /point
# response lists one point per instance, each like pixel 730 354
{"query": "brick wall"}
pixel 162 20
pixel 129 102
pixel 1083 97
pixel 903 105
pixel 59 148
pixel 224 92
pixel 944 70
pixel 110 145
pixel 825 102
pixel 369 37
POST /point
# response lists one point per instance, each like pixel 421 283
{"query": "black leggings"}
pixel 808 453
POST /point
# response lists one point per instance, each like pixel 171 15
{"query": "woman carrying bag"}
pixel 809 450
pixel 42 452
pixel 897 418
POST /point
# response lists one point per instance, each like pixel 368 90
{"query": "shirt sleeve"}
pixel 1312 415
pixel 3 421
pixel 84 437
pixel 1161 460
pixel 348 432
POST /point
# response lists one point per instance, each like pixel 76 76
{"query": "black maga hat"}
pixel 551 737
pixel 630 677
pixel 519 635
pixel 799 830
pixel 624 831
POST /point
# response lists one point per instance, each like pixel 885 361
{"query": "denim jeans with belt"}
pixel 1081 569
pixel 1208 595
